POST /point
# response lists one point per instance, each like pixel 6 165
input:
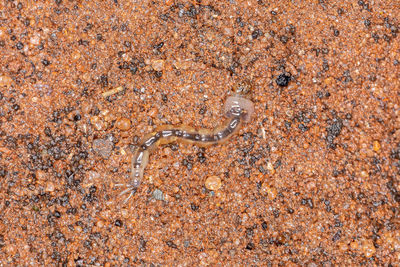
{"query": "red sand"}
pixel 312 180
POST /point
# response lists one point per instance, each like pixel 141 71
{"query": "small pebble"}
pixel 270 167
pixel 49 187
pixel 35 40
pixel 176 165
pixel 97 123
pixel 368 248
pixel 270 191
pixel 283 80
pixel 182 64
pixel 364 174
pixel 158 65
pixel 158 194
pixel 213 183
pixel 123 124
pixel 376 146
pixel 5 81
pixel 108 115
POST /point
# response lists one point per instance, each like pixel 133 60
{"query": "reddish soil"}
pixel 312 180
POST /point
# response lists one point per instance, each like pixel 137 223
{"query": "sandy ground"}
pixel 312 180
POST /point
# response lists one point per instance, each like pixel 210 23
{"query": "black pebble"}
pixel 19 46
pixel 77 117
pixel 256 33
pixel 264 225
pixel 250 246
pixel 194 207
pixel 118 223
pixel 336 32
pixel 158 74
pixel 45 62
pixel 283 80
pixel 15 107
